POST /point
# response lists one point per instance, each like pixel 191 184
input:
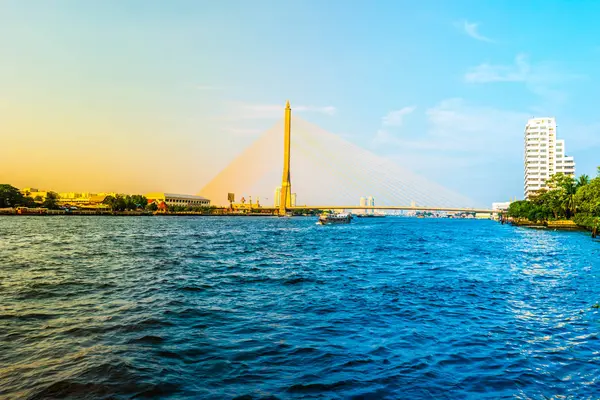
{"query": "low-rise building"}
pixel 503 206
pixel 35 193
pixel 499 208
pixel 172 199
pixel 82 198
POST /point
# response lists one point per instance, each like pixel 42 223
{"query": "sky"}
pixel 139 96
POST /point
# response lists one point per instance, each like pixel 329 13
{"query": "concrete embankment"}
pixel 559 225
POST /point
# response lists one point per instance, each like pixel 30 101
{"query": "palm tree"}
pixel 583 180
pixel 571 189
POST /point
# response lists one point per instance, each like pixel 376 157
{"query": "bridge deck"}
pixel 405 208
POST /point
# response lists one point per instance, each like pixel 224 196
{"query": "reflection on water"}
pixel 281 308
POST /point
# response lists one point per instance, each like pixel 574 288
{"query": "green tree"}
pixel 519 209
pixel 129 203
pixel 109 201
pixel 152 207
pixel 116 203
pixel 10 196
pixel 120 203
pixel 555 201
pixel 51 201
pixel 138 201
pixel 29 202
pixel 583 180
pixel 566 187
pixel 588 198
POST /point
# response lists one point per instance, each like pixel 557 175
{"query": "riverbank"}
pixel 561 224
pixel 51 213
pixel 565 225
pixel 45 212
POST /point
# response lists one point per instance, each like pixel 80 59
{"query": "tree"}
pixel 120 203
pixel 152 207
pixel 519 209
pixel 29 202
pixel 116 203
pixel 137 201
pixel 51 201
pixel 566 187
pixel 588 198
pixel 10 196
pixel 583 180
pixel 555 201
pixel 109 201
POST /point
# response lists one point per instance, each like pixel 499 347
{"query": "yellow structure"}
pixel 286 185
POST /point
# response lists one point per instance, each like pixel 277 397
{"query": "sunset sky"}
pixel 140 96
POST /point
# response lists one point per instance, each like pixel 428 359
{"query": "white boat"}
pixel 334 218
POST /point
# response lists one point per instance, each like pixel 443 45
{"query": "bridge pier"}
pixel 285 201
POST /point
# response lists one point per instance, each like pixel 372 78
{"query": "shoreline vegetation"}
pixel 567 203
pixel 212 212
pixel 13 202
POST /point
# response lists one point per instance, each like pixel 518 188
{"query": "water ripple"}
pixel 271 308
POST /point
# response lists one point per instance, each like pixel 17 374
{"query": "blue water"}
pixel 250 308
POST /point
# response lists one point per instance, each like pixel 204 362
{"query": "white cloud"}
pixel 485 73
pixel 463 130
pixel 273 111
pixel 383 137
pixel 391 119
pixel 395 118
pixel 327 110
pixel 478 130
pixel 471 29
pixel 464 146
pixel 541 78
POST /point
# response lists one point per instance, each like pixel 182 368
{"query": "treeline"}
pixel 11 197
pixel 128 203
pixel 565 198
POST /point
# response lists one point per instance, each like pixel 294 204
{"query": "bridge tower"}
pixel 286 185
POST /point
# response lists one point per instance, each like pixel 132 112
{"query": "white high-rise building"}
pixel 544 154
pixel 371 203
pixel 363 203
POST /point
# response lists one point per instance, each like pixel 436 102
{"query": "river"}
pixel 268 308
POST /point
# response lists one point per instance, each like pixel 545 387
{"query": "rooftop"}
pixel 174 195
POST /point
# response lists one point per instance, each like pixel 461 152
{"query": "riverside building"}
pixel 172 199
pixel 544 154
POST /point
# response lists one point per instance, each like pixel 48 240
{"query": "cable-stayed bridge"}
pixel 326 172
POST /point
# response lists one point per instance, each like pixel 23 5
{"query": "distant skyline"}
pixel 141 96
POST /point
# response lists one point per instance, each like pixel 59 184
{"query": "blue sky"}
pixel 441 87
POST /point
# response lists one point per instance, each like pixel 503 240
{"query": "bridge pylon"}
pixel 285 201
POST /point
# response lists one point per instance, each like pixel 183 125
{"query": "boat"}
pixel 371 215
pixel 334 218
